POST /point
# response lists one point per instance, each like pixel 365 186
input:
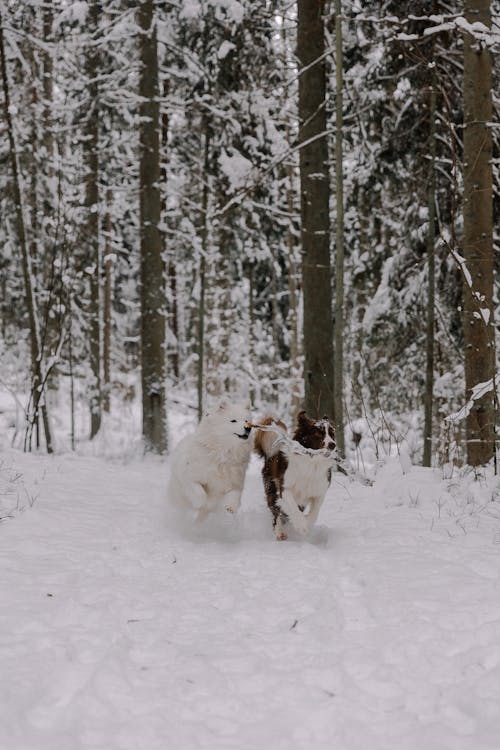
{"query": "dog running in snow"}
pixel 208 467
pixel 296 480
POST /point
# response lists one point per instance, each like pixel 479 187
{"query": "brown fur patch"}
pixel 310 433
pixel 275 465
pixel 263 440
pixel 273 472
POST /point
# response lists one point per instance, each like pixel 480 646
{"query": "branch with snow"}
pixel 290 445
pixel 479 390
pixel 283 439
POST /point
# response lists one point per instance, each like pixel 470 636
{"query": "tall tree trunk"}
pixel 251 325
pixel 71 378
pixel 91 232
pixel 48 85
pixel 339 240
pixel 478 236
pixel 203 269
pixel 429 369
pixel 33 226
pixel 154 427
pixel 293 246
pixel 315 228
pixel 293 299
pixel 173 321
pixel 37 380
pixel 106 312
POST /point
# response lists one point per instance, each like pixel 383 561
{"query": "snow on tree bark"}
pixel 315 225
pixel 478 235
pixel 91 228
pixel 152 272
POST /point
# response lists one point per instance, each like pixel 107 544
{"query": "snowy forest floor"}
pixel 381 631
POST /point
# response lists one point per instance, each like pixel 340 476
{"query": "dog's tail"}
pixel 265 441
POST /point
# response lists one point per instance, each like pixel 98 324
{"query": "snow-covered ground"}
pixel 381 631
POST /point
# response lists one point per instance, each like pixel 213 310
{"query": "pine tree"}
pixel 479 332
pixel 152 266
pixel 315 226
pixel 91 230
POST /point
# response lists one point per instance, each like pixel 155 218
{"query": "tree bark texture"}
pixel 478 236
pixel 314 209
pixel 107 307
pixel 339 239
pixel 293 301
pixel 172 312
pixel 203 271
pixel 152 266
pixel 48 85
pixel 91 230
pixel 431 283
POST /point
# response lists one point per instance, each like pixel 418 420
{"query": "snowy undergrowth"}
pixel 118 632
pixel 14 496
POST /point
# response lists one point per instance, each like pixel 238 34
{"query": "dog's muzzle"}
pixel 245 435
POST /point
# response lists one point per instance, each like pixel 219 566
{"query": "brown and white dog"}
pixel 296 480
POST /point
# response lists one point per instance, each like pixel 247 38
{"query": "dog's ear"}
pixel 302 417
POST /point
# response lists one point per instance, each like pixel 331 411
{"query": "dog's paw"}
pixel 281 536
pixel 301 524
pixel 231 502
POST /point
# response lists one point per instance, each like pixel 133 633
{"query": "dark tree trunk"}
pixel 153 300
pixel 431 238
pixel 107 308
pixel 205 196
pixel 315 228
pixel 91 231
pixel 478 237
pixel 339 239
pixel 173 319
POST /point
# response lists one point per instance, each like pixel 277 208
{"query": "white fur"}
pixel 208 467
pixel 305 484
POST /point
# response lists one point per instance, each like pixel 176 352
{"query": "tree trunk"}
pixel 153 301
pixel 429 369
pixel 107 297
pixel 172 314
pixel 293 300
pixel 48 85
pixel 294 280
pixel 202 270
pixel 478 236
pixel 339 241
pixel 315 229
pixel 37 380
pixel 33 228
pixel 91 230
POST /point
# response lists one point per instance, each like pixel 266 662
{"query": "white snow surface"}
pixel 119 632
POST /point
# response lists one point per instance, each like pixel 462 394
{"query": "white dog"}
pixel 208 467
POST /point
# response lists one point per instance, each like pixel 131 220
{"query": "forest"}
pixel 217 211
pixel 289 202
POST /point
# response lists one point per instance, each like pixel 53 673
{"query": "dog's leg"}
pixel 272 487
pixel 232 501
pixel 280 519
pixel 311 516
pixel 201 514
pixel 280 524
pixel 289 506
pixel 196 495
